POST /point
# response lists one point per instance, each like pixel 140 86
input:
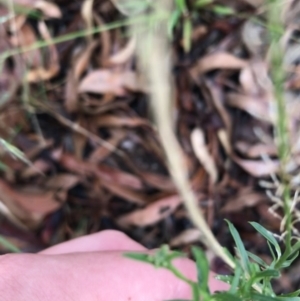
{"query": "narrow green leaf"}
pixel 293 294
pixel 257 259
pixel 295 247
pixel 202 268
pixel 139 257
pixel 236 279
pixel 174 18
pixel 240 246
pixel 225 278
pixel 187 35
pixel 181 4
pixel 271 250
pixel 288 262
pixel 266 273
pixel 201 3
pixel 267 235
pixel 225 296
pixel 223 10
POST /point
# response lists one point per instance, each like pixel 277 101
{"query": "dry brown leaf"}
pixel 158 181
pixel 218 60
pixel 120 121
pixel 152 213
pixel 25 37
pixel 29 205
pixel 79 66
pixel 110 81
pixel 186 237
pixel 63 181
pixel 126 193
pixel 258 168
pixel 203 155
pixel 48 8
pixel 256 150
pixel 258 107
pixel 87 13
pixel 246 198
pixel 37 167
pixel 117 176
pixel 100 153
pixel 125 53
pixel 103 172
pixel 41 73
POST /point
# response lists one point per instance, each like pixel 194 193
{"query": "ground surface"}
pixel 79 111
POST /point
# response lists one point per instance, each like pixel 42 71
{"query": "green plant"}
pixel 252 277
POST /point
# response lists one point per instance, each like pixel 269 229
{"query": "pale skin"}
pixel 92 268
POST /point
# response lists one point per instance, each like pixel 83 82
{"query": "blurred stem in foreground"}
pixel 154 54
pixel 276 31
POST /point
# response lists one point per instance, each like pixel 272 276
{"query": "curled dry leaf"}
pixel 124 54
pixel 152 213
pixel 30 206
pixel 78 67
pixel 203 155
pixel 218 60
pixel 41 73
pixel 258 168
pixel 259 107
pixel 255 151
pixel 186 237
pixel 48 8
pixel 246 198
pixel 110 81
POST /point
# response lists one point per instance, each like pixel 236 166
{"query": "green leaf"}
pixel 187 35
pixel 174 18
pixel 236 279
pixel 225 278
pixel 268 235
pixel 257 259
pixel 202 268
pixel 225 296
pixel 223 10
pixel 201 3
pixel 240 246
pixel 271 250
pixel 288 262
pixel 266 274
pixel 181 4
pixel 295 247
pixel 293 294
pixel 139 257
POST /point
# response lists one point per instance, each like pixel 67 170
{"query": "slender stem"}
pixel 154 53
pixel 276 29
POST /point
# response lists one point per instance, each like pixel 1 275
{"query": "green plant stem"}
pixel 281 124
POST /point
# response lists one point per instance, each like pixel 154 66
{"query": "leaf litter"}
pixel 78 110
